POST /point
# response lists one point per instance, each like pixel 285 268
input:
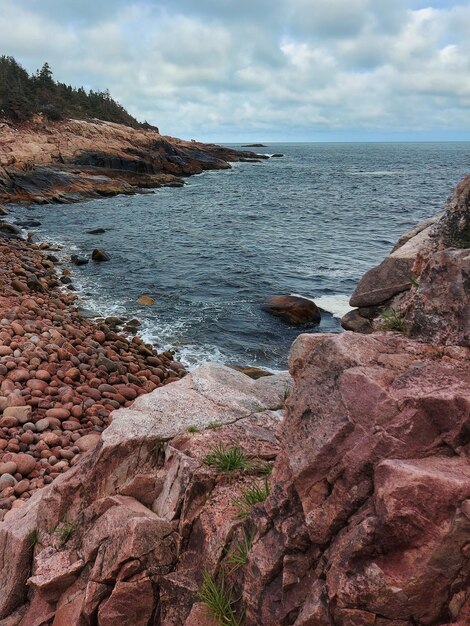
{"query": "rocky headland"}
pixel 338 494
pixel 66 161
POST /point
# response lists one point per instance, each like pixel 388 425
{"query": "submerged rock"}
pixel 96 231
pixel 147 300
pixel 78 260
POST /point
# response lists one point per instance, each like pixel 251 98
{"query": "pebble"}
pixel 8 468
pixel 7 480
pixel 25 463
pixel 42 424
pixel 60 374
pixel 21 414
pixel 60 414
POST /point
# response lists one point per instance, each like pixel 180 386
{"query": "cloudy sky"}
pixel 239 70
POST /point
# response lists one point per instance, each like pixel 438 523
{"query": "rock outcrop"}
pixel 425 280
pixel 43 161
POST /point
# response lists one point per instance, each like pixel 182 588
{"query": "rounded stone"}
pixel 9 467
pixel 25 463
pixel 42 424
pixel 7 480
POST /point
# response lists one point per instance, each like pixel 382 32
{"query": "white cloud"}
pixel 291 67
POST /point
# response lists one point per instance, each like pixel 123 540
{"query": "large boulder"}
pixel 425 274
pixel 394 275
pixel 293 310
pixel 439 309
pixel 375 450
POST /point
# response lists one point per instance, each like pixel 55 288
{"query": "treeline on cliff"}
pixel 23 95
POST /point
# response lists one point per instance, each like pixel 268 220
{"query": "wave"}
pixel 336 304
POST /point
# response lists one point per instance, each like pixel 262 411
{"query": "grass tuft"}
pixel 193 429
pixel 226 459
pixel 33 538
pixel 254 494
pixel 392 321
pixel 214 425
pixel 239 555
pixel 65 531
pixel 218 600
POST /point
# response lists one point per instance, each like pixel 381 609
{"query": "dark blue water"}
pixel 310 223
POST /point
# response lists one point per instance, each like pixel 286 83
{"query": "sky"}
pixel 261 70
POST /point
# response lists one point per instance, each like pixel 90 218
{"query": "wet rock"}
pixel 9 229
pixel 354 321
pixel 78 260
pixel 100 255
pixel 252 372
pixel 96 231
pixel 293 309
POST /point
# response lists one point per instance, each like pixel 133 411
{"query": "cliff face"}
pixel 365 519
pixel 65 161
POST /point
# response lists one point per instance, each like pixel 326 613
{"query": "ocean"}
pixel 310 223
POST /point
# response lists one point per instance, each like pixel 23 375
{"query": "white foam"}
pixel 336 304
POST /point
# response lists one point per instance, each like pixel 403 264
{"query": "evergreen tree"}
pixel 22 95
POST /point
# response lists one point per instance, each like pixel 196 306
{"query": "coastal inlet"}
pixel 210 253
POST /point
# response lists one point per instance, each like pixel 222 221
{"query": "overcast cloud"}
pixel 260 69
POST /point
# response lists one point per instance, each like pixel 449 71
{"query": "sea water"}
pixel 310 223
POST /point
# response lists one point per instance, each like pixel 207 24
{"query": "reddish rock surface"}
pixel 293 310
pixel 43 161
pixel 133 548
pixel 368 520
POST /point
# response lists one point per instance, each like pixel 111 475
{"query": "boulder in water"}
pixel 9 229
pixel 77 260
pixel 354 321
pixel 100 255
pixel 293 309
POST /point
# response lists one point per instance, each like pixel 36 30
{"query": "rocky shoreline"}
pixel 336 495
pixel 64 162
pixel 62 375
